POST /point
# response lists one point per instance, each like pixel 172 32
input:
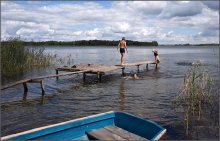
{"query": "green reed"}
pixel 195 94
pixel 15 58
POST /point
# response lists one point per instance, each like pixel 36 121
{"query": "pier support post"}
pixel 99 76
pixel 25 87
pixel 84 76
pixel 123 71
pixel 57 72
pixel 42 87
pixel 37 81
pixel 147 66
pixel 138 68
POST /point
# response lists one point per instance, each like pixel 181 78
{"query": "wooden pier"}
pixel 37 80
pixel 98 69
pixel 137 64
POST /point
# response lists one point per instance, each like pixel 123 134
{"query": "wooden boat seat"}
pixel 112 133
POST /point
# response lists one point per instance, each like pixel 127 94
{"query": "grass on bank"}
pixel 15 58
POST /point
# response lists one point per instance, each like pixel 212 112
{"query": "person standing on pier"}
pixel 122 45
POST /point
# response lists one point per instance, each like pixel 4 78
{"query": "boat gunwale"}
pixel 158 135
pixel 107 115
pixel 57 124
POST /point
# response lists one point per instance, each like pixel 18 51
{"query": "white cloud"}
pixel 93 33
pixel 119 27
pixel 180 9
pixel 184 1
pixel 136 20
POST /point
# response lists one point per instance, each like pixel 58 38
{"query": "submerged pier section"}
pixel 37 80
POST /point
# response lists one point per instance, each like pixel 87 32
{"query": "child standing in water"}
pixel 156 57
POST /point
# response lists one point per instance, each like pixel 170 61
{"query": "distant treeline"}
pixel 196 44
pixel 206 45
pixel 89 43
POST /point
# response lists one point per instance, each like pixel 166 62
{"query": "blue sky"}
pixel 175 22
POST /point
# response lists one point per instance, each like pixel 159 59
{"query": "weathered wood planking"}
pixel 98 69
pixel 113 133
pixel 123 133
pixel 136 63
pixel 14 84
pixel 38 79
pixel 103 134
pixel 56 75
pixel 92 68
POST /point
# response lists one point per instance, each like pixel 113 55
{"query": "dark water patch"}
pixel 27 102
pixel 175 130
pixel 191 63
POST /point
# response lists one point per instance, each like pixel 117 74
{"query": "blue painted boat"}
pixel 78 129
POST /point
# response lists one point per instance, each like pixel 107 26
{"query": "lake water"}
pixel 149 97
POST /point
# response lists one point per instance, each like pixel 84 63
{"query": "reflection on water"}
pixel 122 95
pixel 25 96
pixel 70 97
pixel 26 101
pixel 42 100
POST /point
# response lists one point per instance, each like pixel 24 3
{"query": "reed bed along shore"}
pixel 16 58
pixel 198 100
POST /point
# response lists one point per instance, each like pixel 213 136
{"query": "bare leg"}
pixel 157 59
pixel 122 58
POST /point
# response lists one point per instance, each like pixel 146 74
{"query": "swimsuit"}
pixel 155 54
pixel 122 50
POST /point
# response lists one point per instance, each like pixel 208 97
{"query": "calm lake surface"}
pixel 149 97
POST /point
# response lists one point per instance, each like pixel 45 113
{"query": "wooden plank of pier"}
pixel 136 63
pixel 14 84
pixel 38 79
pixel 98 69
pixel 90 68
pixel 56 75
